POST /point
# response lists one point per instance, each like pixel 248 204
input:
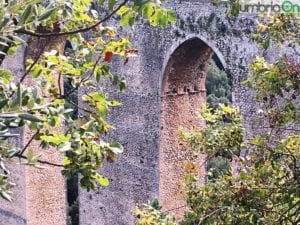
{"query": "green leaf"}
pixel 36 72
pixel 66 160
pixel 162 18
pixel 266 44
pixel 122 10
pixel 12 50
pixel 3 103
pixel 6 196
pixel 6 76
pixel 116 147
pixel 111 4
pixel 12 152
pixel 100 2
pixel 25 15
pixel 122 86
pixel 97 97
pixel 115 103
pixel 102 180
pixel 56 138
pixel 19 95
pixel 30 117
pixel 171 16
pixel 18 39
pixel 31 158
pixel 148 10
pixel 46 14
pixel 127 19
pixel 15 6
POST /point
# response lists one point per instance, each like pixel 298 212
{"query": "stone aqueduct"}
pixel 165 85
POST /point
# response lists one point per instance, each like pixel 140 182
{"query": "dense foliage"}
pixel 152 215
pixel 218 86
pixel 218 91
pixel 41 105
pixel 265 190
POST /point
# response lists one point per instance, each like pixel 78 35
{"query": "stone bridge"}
pixel 165 87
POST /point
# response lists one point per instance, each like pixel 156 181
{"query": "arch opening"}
pixel 183 92
pixel 218 87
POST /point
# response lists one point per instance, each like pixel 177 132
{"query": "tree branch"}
pixel 28 143
pixel 59 83
pixel 23 31
pixel 45 162
pixel 76 105
pixel 65 96
pixel 173 209
pixel 34 63
pixel 212 213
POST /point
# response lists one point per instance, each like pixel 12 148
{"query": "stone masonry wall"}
pixel 40 194
pixel 164 87
pixel 15 213
pixel 136 176
pixel 45 188
pixel 183 93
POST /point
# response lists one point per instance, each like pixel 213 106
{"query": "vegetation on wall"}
pixel 265 190
pixel 43 106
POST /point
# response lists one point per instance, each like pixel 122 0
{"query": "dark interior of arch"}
pixel 186 67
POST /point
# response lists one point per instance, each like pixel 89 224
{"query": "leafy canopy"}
pixel 37 100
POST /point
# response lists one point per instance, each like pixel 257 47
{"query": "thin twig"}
pixel 83 79
pixel 50 163
pixel 59 83
pixel 45 162
pixel 30 68
pixel 173 209
pixel 212 213
pixel 34 63
pixel 282 215
pixel 23 31
pixel 28 143
pixel 76 105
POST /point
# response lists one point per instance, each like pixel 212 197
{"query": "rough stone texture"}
pixel 151 165
pixel 15 213
pixel 40 194
pixel 135 177
pixel 8 217
pixel 183 93
pixel 46 188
